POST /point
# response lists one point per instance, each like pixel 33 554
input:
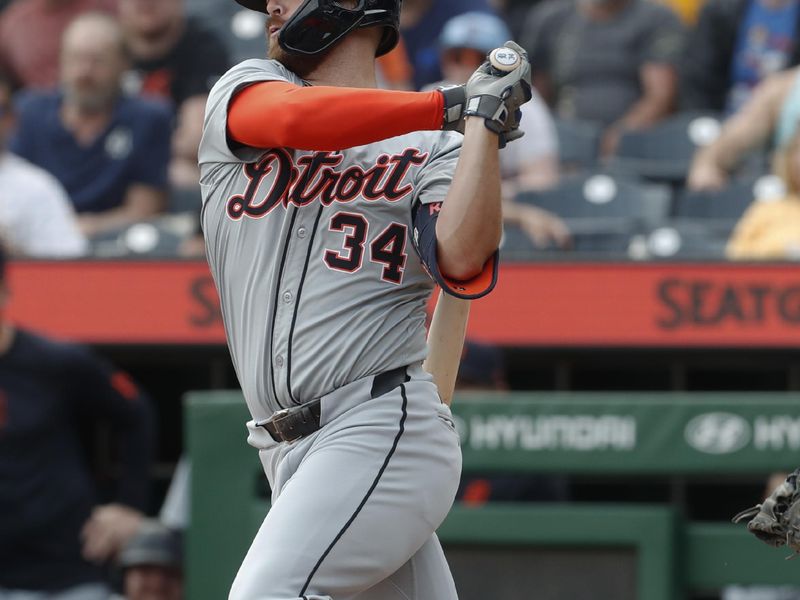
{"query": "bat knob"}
pixel 504 60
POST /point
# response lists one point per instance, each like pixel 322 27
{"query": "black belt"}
pixel 293 423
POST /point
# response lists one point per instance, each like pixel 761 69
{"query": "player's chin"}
pixel 300 64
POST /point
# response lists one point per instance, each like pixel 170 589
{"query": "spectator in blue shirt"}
pixel 735 45
pixel 109 151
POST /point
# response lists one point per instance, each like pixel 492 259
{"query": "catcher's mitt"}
pixel 776 521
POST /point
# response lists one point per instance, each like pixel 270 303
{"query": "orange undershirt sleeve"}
pixel 276 114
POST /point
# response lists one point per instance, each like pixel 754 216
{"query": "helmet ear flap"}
pixel 390 39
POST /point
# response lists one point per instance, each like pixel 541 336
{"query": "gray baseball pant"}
pixel 355 505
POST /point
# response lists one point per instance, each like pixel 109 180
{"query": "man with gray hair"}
pixel 108 150
pixel 36 217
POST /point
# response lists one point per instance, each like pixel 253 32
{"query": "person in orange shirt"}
pixel 770 229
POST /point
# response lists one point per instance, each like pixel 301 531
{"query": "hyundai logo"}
pixel 717 433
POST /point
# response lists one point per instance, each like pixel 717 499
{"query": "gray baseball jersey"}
pixel 318 279
pixel 315 259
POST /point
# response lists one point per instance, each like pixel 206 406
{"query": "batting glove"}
pixel 496 96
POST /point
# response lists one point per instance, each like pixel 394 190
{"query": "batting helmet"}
pixel 319 24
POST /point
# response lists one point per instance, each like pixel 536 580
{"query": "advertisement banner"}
pixel 535 304
pixel 635 433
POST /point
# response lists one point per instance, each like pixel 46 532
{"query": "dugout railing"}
pixel 578 433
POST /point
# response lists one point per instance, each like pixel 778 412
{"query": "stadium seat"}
pixel 729 203
pixel 516 246
pixel 602 211
pixel 664 152
pixel 159 238
pixel 578 144
pixel 680 240
pixel 601 197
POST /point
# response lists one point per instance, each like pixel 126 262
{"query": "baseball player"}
pixel 330 208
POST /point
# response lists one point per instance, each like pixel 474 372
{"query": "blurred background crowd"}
pixel 661 129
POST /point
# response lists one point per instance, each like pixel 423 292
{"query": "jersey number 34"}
pixel 387 249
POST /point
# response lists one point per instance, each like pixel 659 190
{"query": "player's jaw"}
pixel 297 63
pixel 273 29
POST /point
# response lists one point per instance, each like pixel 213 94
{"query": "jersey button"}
pixel 279 360
pixel 287 297
pixel 301 233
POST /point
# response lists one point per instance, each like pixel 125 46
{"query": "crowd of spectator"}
pixel 108 101
pixel 101 112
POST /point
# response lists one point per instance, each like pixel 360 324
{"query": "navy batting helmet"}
pixel 319 24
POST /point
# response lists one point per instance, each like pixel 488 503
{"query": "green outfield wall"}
pixel 591 433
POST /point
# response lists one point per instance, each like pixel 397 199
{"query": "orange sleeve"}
pixel 276 114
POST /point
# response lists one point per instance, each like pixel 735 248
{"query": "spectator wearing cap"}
pixel 531 162
pixel 421 22
pixel 108 150
pixel 613 62
pixel 56 530
pixel 152 564
pixel 176 59
pixel 30 37
pixel 36 216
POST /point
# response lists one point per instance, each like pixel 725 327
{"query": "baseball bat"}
pixel 446 343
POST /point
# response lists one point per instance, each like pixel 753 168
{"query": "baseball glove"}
pixel 776 521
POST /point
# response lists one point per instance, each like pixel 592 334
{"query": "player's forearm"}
pixel 469 226
pixel 277 114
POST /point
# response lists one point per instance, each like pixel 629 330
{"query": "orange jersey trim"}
pixel 276 114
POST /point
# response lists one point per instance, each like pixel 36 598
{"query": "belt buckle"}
pixel 278 418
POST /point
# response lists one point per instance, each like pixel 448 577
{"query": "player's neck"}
pixel 350 63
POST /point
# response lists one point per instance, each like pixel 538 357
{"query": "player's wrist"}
pixel 455 97
pixel 491 109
